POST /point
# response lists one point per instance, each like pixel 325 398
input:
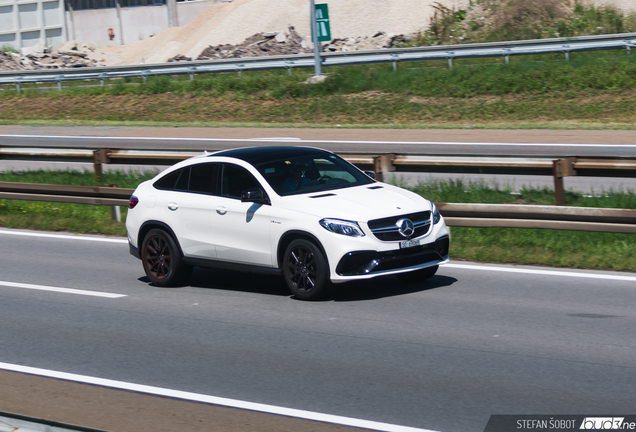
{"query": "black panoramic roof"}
pixel 258 155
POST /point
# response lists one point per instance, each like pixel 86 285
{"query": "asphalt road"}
pixel 619 143
pixel 443 355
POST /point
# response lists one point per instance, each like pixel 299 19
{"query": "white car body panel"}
pixel 227 230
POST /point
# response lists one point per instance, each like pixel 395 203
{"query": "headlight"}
pixel 348 228
pixel 436 215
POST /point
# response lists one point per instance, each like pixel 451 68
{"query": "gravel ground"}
pixel 232 23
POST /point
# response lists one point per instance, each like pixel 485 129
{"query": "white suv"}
pixel 304 213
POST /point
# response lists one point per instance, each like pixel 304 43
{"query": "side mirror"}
pixel 255 196
pixel 370 174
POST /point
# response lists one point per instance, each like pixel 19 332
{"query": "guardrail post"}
pixel 59 83
pixel 382 164
pixel 116 212
pixel 562 168
pixel 100 157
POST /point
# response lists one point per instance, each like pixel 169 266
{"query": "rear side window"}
pixel 200 178
pixel 169 181
pixel 176 180
pixel 204 178
pixel 184 180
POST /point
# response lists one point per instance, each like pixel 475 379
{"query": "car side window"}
pixel 169 181
pixel 236 180
pixel 204 178
pixel 184 180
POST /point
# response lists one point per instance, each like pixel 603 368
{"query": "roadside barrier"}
pixel 557 167
pixel 455 214
pixel 394 55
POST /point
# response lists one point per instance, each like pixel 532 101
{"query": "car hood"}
pixel 360 203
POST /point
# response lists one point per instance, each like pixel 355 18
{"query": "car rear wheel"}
pixel 418 275
pixel 305 270
pixel 162 260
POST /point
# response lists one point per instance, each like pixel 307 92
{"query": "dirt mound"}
pixel 232 23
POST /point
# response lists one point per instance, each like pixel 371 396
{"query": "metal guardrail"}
pixel 558 168
pixel 459 215
pixel 447 52
pixel 539 217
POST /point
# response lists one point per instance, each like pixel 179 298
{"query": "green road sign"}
pixel 322 20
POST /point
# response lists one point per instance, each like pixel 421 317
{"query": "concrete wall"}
pixel 130 24
pixel 187 11
pixel 29 23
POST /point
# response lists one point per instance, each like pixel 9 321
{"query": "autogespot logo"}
pixel 405 227
pixel 605 423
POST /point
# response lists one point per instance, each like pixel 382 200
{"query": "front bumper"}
pixel 364 264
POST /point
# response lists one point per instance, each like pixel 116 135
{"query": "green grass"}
pixel 77 218
pixel 506 20
pixel 600 71
pixel 498 245
pixel 459 191
pixel 572 249
pixel 8 48
pixel 593 90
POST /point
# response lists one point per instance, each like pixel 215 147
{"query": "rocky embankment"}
pixel 290 42
pixel 75 54
pixel 68 55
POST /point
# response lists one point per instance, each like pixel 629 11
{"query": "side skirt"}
pixel 232 266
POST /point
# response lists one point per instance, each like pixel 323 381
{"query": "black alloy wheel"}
pixel 305 270
pixel 162 260
pixel 418 275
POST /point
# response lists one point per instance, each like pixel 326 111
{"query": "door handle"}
pixel 173 206
pixel 221 210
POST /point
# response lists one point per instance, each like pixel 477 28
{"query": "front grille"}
pixel 386 229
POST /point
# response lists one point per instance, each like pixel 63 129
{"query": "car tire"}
pixel 162 260
pixel 306 271
pixel 418 275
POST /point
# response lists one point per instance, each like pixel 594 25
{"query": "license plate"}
pixel 409 243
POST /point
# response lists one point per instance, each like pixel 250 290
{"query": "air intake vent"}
pixel 323 195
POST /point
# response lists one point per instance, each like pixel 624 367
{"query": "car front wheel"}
pixel 162 260
pixel 305 270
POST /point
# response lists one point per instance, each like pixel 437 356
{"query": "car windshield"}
pixel 311 173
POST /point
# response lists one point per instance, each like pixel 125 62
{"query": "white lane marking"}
pixel 60 290
pixel 198 397
pixel 64 236
pixel 322 141
pixel 542 272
